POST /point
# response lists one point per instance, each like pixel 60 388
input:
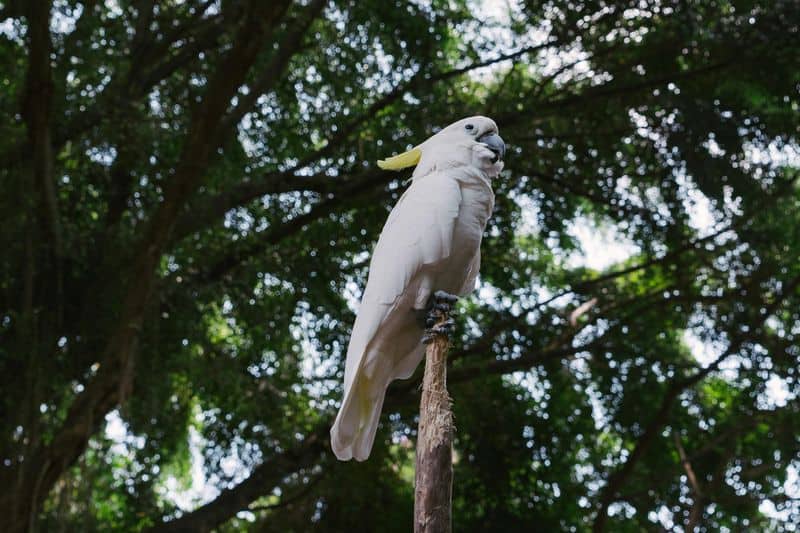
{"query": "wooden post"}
pixel 433 490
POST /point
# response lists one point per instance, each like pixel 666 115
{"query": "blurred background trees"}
pixel 189 200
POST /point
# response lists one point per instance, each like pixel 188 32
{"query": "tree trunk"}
pixel 434 472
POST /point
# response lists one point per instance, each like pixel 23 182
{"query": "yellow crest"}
pixel 401 161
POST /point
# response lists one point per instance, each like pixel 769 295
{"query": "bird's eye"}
pixel 469 127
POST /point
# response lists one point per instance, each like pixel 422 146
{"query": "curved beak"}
pixel 495 143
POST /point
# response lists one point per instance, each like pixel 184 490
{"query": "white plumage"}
pixel 431 241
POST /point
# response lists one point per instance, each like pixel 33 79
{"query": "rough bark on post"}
pixel 434 470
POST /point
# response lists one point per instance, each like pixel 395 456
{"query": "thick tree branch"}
pixel 205 35
pixel 617 479
pixel 367 184
pixel 265 476
pixel 273 73
pixel 660 419
pixel 11 9
pixel 211 209
pixel 150 63
pixel 41 216
pixel 696 513
pixel 570 187
pixel 617 90
pixel 109 386
pixel 36 110
pixel 419 80
pixel 691 246
pixel 288 500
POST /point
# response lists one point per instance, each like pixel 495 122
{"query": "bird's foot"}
pixel 445 328
pixel 439 320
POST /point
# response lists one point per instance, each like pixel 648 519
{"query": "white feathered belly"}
pixel 451 274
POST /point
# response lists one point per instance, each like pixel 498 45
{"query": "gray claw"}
pixel 445 296
pixel 448 324
pixel 441 303
pixel 446 328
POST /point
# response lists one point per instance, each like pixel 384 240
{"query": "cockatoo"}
pixel 430 242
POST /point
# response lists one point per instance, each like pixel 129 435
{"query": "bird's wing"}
pixel 418 233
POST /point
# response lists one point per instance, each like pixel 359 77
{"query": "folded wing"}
pixel 385 342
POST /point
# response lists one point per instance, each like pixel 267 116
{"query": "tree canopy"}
pixel 190 197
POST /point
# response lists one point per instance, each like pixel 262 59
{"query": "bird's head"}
pixel 471 141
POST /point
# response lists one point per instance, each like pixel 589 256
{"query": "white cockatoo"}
pixel 431 242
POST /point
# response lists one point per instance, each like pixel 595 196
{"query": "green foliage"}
pixel 193 276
